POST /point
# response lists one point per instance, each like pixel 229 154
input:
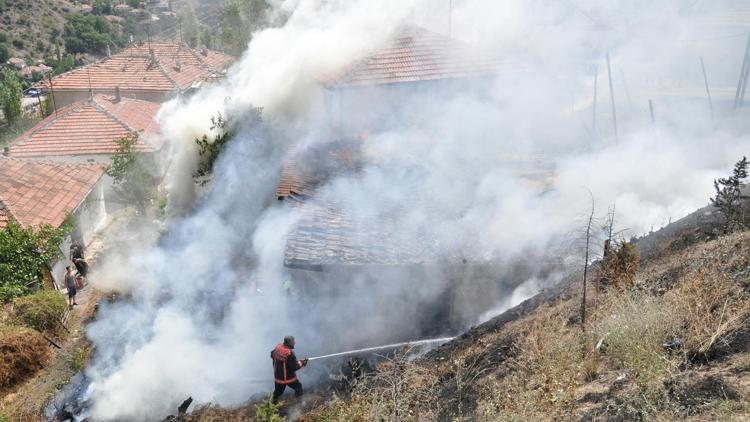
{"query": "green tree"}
pixel 86 34
pixel 10 96
pixel 23 253
pixel 133 179
pixel 239 19
pixel 729 197
pixel 4 53
pixel 191 28
pixel 209 148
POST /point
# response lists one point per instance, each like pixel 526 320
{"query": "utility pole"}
pixel 651 109
pixel 596 84
pixel 612 98
pixel 52 92
pixel 180 23
pixel 742 83
pixel 708 90
pixel 450 18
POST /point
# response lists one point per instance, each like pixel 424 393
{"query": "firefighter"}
pixel 285 367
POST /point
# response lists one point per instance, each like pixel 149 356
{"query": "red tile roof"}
pixel 90 127
pixel 416 54
pixel 134 70
pixel 34 193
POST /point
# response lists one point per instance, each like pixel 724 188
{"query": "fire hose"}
pixel 383 347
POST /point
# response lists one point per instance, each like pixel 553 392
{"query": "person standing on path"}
pixel 70 283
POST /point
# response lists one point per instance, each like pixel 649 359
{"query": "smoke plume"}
pixel 485 177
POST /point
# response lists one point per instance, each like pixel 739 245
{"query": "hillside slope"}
pixel 31 27
pixel 673 345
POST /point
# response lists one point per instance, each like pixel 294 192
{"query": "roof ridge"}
pixel 5 209
pixel 166 75
pixel 52 118
pixel 130 129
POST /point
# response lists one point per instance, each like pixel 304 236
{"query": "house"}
pixel 334 246
pixel 29 71
pixel 17 62
pixel 37 193
pixel 147 71
pixel 88 130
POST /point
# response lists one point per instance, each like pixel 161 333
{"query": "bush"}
pixel 635 326
pixel 24 352
pixel 41 311
pixel 267 411
pixel 618 268
pixel 86 34
pixel 23 253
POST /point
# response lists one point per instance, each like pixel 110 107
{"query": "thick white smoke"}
pixel 205 305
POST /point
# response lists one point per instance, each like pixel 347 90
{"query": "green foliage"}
pixel 87 34
pixel 4 52
pixel 78 358
pixel 239 19
pixel 102 7
pixel 268 412
pixel 134 181
pixel 729 197
pixel 135 4
pixel 41 311
pixel 68 62
pixel 47 106
pixel 191 28
pixel 210 149
pixel 23 253
pixel 10 96
pixel 20 126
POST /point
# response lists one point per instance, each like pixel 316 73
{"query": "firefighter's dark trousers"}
pixel 279 390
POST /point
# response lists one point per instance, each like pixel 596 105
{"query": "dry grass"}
pixel 399 391
pixel 41 311
pixel 24 352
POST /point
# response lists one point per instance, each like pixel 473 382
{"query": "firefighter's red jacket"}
pixel 285 364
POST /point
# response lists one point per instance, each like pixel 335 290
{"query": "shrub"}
pixel 267 411
pixel 41 311
pixel 24 352
pixel 618 268
pixel 635 326
pixel 23 252
pixel 711 310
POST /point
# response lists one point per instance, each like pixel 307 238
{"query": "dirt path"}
pixel 26 402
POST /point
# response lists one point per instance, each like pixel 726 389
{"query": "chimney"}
pixel 6 152
pixel 118 98
pixel 109 52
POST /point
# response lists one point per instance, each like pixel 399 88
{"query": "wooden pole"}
pixel 708 90
pixel 52 92
pixel 450 18
pixel 743 76
pixel 651 109
pixel 596 83
pixel 612 99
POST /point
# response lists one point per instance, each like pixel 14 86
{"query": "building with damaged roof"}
pixel 333 244
pixel 147 71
